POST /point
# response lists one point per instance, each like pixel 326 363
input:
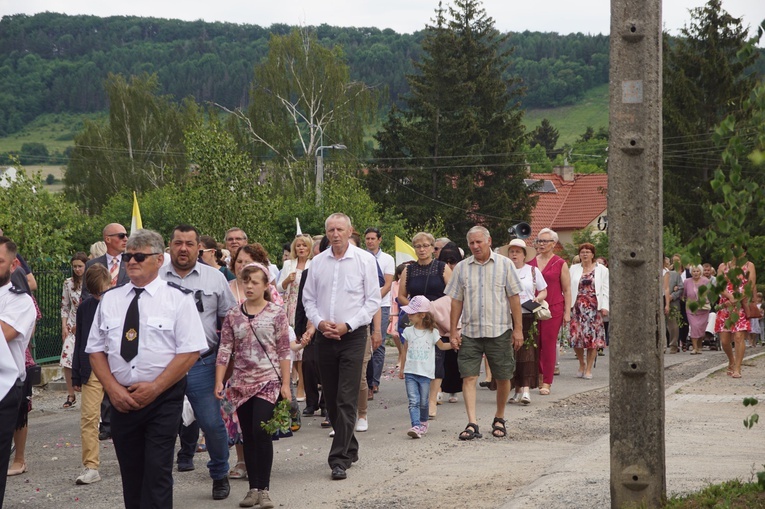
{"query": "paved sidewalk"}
pixel 705 442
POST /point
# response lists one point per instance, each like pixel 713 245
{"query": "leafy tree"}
pixel 303 97
pixel 546 136
pixel 704 82
pixel 43 224
pixel 738 213
pixel 461 130
pixel 588 235
pixel 34 153
pixel 225 191
pixel 139 148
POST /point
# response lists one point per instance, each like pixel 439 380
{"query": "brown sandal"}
pixel 544 390
pixel 70 400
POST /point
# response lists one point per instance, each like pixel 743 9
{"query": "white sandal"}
pixel 238 472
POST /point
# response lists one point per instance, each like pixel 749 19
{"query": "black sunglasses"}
pixel 139 257
pixel 120 235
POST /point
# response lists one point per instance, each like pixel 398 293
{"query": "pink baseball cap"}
pixel 418 304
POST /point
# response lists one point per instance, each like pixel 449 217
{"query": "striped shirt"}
pixel 484 289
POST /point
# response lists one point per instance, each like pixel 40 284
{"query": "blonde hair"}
pixel 426 235
pixel 305 239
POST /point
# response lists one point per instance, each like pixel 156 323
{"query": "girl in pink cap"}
pixel 421 338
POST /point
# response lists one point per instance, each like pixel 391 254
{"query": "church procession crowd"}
pixel 162 343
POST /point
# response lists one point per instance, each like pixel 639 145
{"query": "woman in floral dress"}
pixel 733 333
pixel 301 252
pixel 70 301
pixel 589 286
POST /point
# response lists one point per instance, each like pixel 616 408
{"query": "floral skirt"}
pixel 67 352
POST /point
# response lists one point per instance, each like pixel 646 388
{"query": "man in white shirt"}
pixel 373 238
pixel 145 337
pixel 341 295
pixel 17 320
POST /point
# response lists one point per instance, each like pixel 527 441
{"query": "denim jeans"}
pixel 375 368
pixel 200 390
pixel 417 391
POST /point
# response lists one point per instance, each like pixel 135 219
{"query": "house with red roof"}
pixel 568 202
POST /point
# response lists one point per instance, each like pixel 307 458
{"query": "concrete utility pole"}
pixel 320 168
pixel 635 255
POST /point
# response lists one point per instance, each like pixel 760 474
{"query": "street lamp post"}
pixel 320 167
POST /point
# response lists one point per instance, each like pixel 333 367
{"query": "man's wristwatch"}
pixel 348 327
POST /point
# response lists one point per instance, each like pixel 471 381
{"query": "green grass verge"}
pixel 731 494
pixel 572 121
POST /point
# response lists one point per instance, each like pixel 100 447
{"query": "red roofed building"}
pixel 568 202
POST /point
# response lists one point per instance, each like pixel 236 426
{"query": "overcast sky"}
pixel 562 16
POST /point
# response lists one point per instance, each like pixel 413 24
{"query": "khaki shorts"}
pixel 499 352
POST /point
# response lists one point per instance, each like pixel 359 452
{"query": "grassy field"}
pixel 572 121
pixel 55 130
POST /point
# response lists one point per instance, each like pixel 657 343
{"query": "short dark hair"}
pixel 10 246
pixel 374 230
pixel 185 228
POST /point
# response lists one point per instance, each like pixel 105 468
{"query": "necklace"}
pixel 419 334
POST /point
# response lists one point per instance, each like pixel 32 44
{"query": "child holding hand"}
pixel 421 338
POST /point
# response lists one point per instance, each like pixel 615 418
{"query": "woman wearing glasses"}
pixel 556 274
pixel 426 277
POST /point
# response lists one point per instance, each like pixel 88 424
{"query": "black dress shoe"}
pixel 221 489
pixel 309 411
pixel 338 474
pixel 185 466
pixel 104 435
pixel 323 412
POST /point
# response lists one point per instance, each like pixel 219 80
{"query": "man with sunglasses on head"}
pixel 145 337
pixel 115 237
pixel 213 299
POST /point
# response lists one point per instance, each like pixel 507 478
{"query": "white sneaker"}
pixel 88 476
pixel 362 424
pixel 332 433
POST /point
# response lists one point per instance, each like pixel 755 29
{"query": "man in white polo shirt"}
pixel 145 337
pixel 17 320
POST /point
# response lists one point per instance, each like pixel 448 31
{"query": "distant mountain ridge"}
pixel 53 63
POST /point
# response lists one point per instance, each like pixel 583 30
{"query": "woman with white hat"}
pixel 534 288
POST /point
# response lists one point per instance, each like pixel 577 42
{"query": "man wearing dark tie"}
pixel 145 337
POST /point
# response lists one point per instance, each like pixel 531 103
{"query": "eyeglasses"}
pixel 207 250
pixel 121 236
pixel 139 257
pixel 543 241
pixel 422 246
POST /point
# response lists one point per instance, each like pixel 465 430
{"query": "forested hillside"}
pixel 57 63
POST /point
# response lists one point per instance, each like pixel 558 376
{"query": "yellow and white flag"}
pixel 135 222
pixel 404 252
